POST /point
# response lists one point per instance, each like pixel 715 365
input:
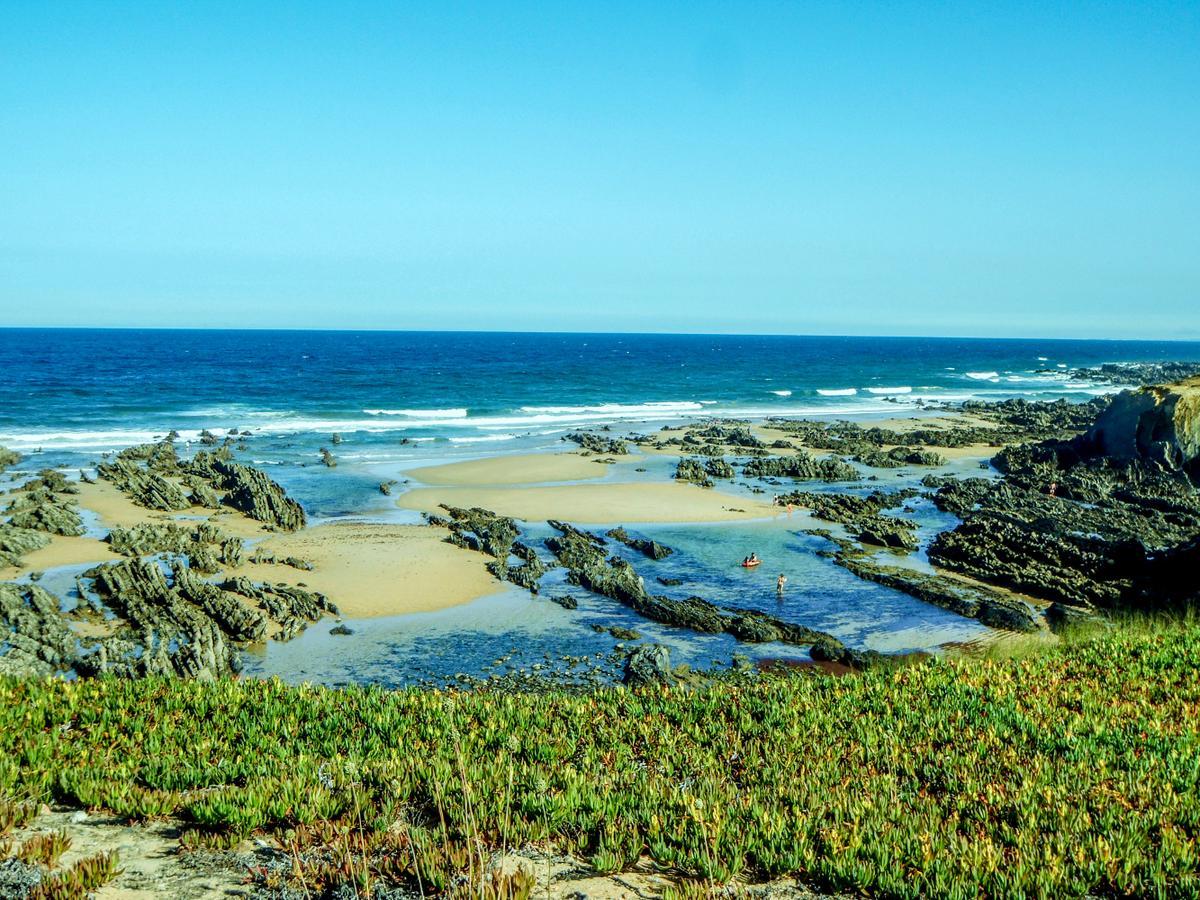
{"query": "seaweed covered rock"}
pixel 144 486
pixel 527 573
pixel 649 664
pixel 481 530
pixel 34 637
pixel 41 510
pixel 900 456
pixel 598 443
pixel 8 458
pixel 992 608
pixel 15 543
pixel 693 470
pixel 801 467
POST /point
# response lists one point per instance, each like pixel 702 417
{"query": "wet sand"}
pixel 378 570
pixel 61 551
pixel 596 504
pixel 525 468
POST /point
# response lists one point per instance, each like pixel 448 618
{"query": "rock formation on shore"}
pixel 1158 425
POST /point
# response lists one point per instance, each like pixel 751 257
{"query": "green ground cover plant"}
pixel 1066 772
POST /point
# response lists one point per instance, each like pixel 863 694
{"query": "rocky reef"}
pixel 651 549
pixel 862 515
pixel 801 467
pixel 485 532
pixel 45 504
pixel 1108 519
pixel 598 443
pixel 702 471
pixel 8 458
pixel 590 567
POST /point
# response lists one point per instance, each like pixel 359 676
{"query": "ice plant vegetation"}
pixel 1069 772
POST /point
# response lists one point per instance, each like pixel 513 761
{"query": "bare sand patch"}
pixel 378 570
pixel 524 468
pixel 597 503
pixel 61 551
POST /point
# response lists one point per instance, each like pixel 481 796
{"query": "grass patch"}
pixel 1069 772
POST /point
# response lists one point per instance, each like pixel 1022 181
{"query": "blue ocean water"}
pixel 94 390
pixel 402 400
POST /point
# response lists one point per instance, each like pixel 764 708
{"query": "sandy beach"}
pixel 378 570
pixel 524 468
pixel 596 503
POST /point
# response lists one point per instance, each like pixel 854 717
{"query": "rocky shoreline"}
pixel 1095 509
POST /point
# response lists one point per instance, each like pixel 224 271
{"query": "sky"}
pixel 988 169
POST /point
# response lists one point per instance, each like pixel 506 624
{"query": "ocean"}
pixel 96 390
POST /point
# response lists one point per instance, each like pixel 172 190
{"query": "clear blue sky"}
pixel 925 168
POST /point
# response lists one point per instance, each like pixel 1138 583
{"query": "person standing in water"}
pixel 779 584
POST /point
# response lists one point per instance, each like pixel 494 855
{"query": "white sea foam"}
pixel 657 407
pixel 782 393
pixel 982 376
pixel 1043 358
pixel 483 438
pixel 457 413
pixel 837 392
pixel 903 389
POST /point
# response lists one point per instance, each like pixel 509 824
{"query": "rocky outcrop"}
pixel 652 549
pixel 1158 425
pixel 649 664
pixel 598 443
pixel 15 543
pixel 801 467
pixel 145 487
pixel 862 515
pixel 900 456
pixel 992 608
pixel 39 640
pixel 250 491
pixel 1094 521
pixel 8 458
pixel 40 509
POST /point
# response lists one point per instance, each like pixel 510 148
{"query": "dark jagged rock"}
pixel 801 467
pixel 584 557
pixel 167 537
pixel 693 470
pixel 526 574
pixel 1159 425
pixel 385 487
pixel 669 582
pixel 652 549
pixel 328 459
pixel 39 640
pixel 294 608
pixel 649 664
pixel 144 487
pixel 957 495
pixel 566 601
pixel 250 491
pixel 481 530
pixel 862 514
pixel 265 557
pixel 1141 374
pixel 900 456
pixel 15 543
pixel 1073 523
pixel 335 439
pixel 990 607
pixel 8 458
pixel 341 630
pixel 597 443
pixel 236 619
pixel 41 510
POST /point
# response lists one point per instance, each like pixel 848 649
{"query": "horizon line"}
pixel 475 331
